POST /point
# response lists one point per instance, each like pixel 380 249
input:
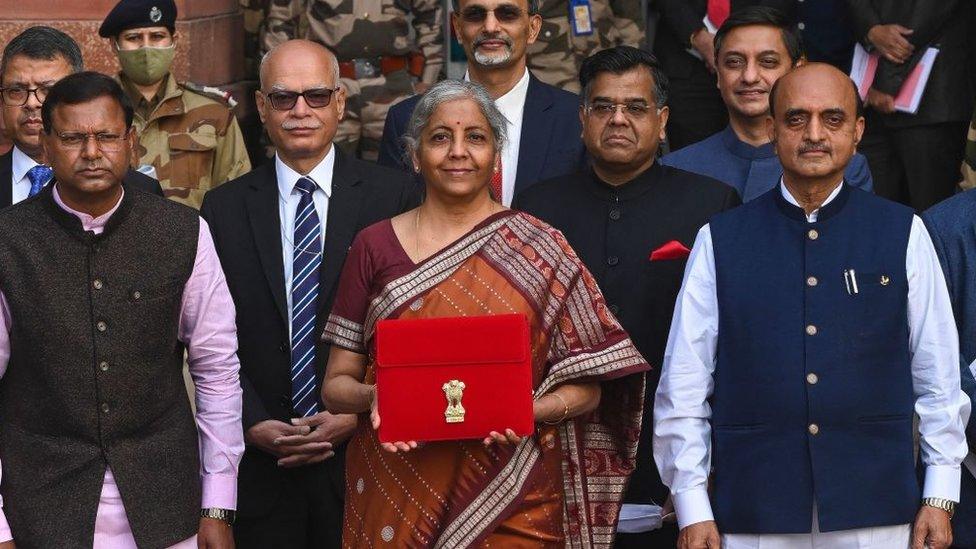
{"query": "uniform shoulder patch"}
pixel 211 92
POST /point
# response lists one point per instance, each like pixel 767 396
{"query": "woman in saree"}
pixel 461 253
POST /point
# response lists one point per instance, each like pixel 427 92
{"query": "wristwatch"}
pixel 226 515
pixel 946 505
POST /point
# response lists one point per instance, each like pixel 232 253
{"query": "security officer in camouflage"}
pixel 186 132
pixel 574 29
pixel 379 62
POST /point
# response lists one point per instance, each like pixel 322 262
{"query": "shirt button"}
pixel 284 401
pixel 811 281
pixel 136 295
pixel 812 234
pixel 97 284
pixel 801 26
pixel 105 407
pixel 613 260
pixel 813 428
pixel 614 215
pixel 101 326
pixel 811 330
pixel 283 348
pixel 103 366
pixel 812 379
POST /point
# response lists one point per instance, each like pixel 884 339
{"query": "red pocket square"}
pixel 671 250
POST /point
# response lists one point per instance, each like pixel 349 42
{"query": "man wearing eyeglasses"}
pixel 632 221
pixel 32 62
pixel 282 233
pixel 186 132
pixel 543 127
pixel 97 306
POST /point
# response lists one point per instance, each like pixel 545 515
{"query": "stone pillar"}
pixel 209 48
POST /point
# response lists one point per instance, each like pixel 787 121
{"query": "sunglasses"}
pixel 314 98
pixel 506 13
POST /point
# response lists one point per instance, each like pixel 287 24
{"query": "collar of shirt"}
pixel 629 190
pixel 512 104
pixel 812 216
pixel 744 150
pixel 321 174
pixel 88 223
pixel 143 107
pixel 20 165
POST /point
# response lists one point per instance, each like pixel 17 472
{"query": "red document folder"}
pixel 453 378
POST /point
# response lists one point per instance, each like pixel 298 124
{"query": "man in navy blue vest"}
pixel 813 323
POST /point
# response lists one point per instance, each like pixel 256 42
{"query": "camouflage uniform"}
pixel 254 13
pixel 556 55
pixel 364 30
pixel 969 162
pixel 192 140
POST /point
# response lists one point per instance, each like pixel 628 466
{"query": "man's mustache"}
pixel 301 124
pixel 482 38
pixel 814 147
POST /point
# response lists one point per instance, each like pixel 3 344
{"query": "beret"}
pixel 133 14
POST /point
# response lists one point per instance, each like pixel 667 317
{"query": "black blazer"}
pixel 944 24
pixel 132 180
pixel 243 218
pixel 627 224
pixel 550 144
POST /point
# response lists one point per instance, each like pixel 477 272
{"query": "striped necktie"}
pixel 39 175
pixel 306 259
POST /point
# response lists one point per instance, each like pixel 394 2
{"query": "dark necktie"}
pixel 307 258
pixel 39 175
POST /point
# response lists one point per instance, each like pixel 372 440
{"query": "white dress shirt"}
pixel 682 443
pixel 288 199
pixel 20 164
pixel 512 107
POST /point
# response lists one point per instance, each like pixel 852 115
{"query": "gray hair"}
pixel 534 6
pixel 264 61
pixel 446 91
pixel 45 43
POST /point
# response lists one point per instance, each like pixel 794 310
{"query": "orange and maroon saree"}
pixel 559 488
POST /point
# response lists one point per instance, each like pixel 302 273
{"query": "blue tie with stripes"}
pixel 304 299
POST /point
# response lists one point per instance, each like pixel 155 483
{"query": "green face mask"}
pixel 146 66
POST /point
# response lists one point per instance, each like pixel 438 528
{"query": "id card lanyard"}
pixel 580 17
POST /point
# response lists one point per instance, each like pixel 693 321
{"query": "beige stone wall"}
pixel 210 47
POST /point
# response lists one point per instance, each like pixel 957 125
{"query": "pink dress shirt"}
pixel 208 329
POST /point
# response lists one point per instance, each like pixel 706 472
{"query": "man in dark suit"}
pixel 32 62
pixel 282 232
pixel 632 221
pixel 543 127
pixel 915 158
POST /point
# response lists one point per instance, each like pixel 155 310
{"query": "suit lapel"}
pixel 536 133
pixel 6 179
pixel 262 211
pixel 340 227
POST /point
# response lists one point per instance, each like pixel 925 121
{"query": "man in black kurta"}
pixel 632 221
